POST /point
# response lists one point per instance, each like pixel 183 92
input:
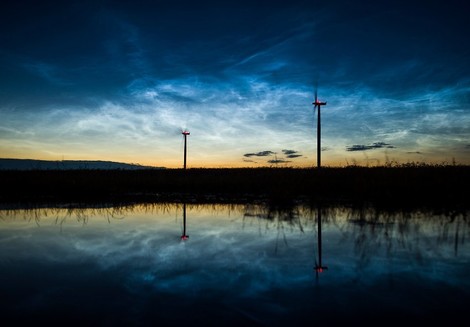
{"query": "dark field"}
pixel 391 187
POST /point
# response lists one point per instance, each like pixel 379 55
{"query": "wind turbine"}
pixel 317 105
pixel 185 134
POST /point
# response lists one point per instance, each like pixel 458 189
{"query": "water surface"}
pixel 239 264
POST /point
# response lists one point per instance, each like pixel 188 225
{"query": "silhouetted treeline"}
pixel 438 186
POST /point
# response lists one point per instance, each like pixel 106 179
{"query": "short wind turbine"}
pixel 317 105
pixel 185 134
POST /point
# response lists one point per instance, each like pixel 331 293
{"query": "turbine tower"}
pixel 185 134
pixel 317 105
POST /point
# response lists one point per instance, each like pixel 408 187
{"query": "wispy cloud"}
pixel 259 154
pixel 51 73
pixel 291 154
pixel 377 145
pixel 277 161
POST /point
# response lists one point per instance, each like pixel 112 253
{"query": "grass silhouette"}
pixel 399 185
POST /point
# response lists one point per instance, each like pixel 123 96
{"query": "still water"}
pixel 213 265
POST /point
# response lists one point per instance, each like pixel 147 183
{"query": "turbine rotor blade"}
pixel 316 89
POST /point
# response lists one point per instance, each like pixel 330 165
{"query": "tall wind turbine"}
pixel 185 134
pixel 317 105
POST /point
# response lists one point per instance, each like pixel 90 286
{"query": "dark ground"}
pixel 403 187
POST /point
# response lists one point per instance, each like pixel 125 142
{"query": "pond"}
pixel 173 264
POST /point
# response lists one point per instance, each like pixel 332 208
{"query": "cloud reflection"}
pixel 133 257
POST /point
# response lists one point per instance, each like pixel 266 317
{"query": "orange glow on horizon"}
pixel 227 160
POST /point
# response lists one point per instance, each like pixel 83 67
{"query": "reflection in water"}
pixel 319 267
pixel 184 236
pixel 246 265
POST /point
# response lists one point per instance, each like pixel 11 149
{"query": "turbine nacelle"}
pixel 320 269
pixel 185 132
pixel 318 103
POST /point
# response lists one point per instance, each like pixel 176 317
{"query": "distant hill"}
pixel 31 164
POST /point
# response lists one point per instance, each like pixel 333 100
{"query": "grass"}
pixel 400 185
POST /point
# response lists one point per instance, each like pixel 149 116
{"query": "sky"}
pixel 120 81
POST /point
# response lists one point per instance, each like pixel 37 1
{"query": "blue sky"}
pixel 119 80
